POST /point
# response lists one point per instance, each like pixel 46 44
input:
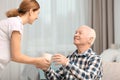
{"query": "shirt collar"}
pixel 85 54
pixel 20 19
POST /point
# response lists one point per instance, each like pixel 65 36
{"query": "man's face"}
pixel 81 36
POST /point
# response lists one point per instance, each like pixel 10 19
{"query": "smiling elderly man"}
pixel 82 64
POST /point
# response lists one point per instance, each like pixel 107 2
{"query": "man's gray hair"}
pixel 92 34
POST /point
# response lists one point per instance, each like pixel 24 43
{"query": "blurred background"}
pixel 54 30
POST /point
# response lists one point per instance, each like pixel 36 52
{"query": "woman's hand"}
pixel 42 63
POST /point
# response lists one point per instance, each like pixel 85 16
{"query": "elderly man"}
pixel 82 64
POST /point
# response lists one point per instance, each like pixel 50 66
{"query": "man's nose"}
pixel 76 34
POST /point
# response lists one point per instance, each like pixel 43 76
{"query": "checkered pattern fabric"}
pixel 85 66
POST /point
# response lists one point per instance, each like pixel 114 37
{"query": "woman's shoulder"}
pixel 9 20
pixel 14 21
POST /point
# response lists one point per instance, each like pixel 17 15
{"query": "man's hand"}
pixel 60 59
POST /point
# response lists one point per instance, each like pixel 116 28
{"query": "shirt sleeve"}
pixel 89 73
pixel 54 75
pixel 15 27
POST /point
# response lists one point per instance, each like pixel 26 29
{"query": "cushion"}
pixel 118 57
pixel 109 55
pixel 111 71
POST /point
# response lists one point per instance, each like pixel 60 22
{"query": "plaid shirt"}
pixel 86 66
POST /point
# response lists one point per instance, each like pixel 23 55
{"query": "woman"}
pixel 11 31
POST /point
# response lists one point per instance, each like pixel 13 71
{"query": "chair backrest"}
pixel 30 72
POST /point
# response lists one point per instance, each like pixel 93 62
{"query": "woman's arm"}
pixel 15 45
pixel 17 56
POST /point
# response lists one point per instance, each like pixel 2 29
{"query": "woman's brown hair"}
pixel 24 7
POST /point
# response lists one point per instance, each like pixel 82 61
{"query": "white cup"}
pixel 48 56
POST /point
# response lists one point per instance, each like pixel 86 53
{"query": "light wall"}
pixel 117 21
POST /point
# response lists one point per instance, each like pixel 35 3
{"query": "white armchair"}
pixel 30 72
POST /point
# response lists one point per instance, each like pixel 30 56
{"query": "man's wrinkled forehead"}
pixel 83 28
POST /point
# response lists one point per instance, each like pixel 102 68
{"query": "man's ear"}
pixel 90 40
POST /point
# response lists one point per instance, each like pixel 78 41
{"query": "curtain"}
pixel 101 18
pixel 53 32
